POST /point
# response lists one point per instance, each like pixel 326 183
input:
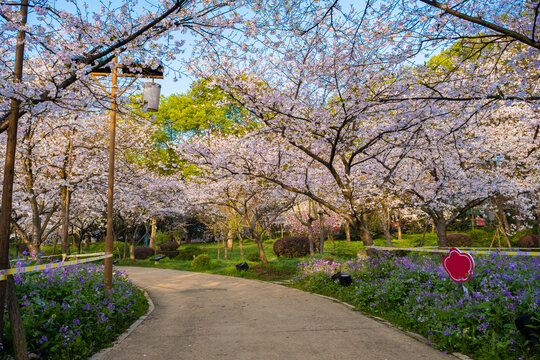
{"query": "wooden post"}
pixel 7 288
pixel 110 190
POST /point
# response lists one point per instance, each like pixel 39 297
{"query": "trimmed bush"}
pixel 201 262
pixel 478 235
pixel 291 247
pixel 255 257
pixel 529 241
pixel 458 240
pixel 169 246
pixel 143 253
pixel 188 253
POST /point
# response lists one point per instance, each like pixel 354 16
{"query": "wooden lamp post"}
pixel 113 95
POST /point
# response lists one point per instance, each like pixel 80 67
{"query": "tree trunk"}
pixel 124 256
pixel 348 232
pixel 65 219
pixel 218 246
pixel 19 341
pixel 321 219
pixel 517 216
pixel 15 320
pixel 240 244
pixel 440 227
pixel 310 240
pixel 230 238
pixel 86 242
pixel 225 248
pixel 383 217
pixel 131 246
pixel 365 236
pixel 153 232
pixel 363 232
pixel 262 254
pixel 499 202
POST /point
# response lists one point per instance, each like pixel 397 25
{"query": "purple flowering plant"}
pixel 415 293
pixel 67 313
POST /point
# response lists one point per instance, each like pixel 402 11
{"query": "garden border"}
pixel 126 333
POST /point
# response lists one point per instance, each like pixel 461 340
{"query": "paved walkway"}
pixel 201 316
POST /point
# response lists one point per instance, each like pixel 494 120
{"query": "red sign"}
pixel 458 265
pixel 480 221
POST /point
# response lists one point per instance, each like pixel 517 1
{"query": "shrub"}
pixel 162 237
pixel 478 235
pixel 169 246
pixel 458 240
pixel 254 256
pixel 190 252
pixel 144 253
pixel 292 246
pixel 201 262
pixel 529 241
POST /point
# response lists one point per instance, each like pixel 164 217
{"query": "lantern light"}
pixel 151 95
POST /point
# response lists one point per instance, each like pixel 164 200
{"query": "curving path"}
pixel 201 316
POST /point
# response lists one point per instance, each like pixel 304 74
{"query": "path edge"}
pixel 126 333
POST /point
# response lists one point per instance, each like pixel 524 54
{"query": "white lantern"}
pixel 151 96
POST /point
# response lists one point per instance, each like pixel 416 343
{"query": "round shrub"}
pixel 292 246
pixel 143 253
pixel 201 262
pixel 458 240
pixel 478 235
pixel 169 246
pixel 529 241
pixel 255 257
pixel 188 253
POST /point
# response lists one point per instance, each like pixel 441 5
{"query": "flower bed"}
pixel 414 292
pixel 67 313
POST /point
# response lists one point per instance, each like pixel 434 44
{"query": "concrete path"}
pixel 201 316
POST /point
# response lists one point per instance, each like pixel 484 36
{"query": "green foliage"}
pixel 190 252
pixel 479 237
pixel 203 109
pixel 162 237
pixel 254 256
pixel 201 262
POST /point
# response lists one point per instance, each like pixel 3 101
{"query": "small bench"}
pixel 157 258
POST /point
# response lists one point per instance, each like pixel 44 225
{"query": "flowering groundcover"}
pixel 68 314
pixel 414 292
